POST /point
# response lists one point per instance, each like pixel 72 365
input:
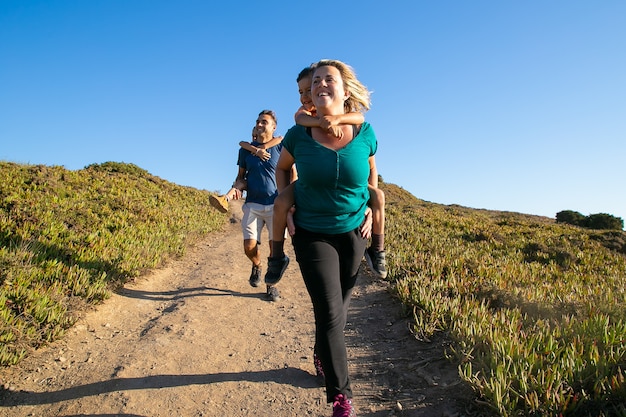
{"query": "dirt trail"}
pixel 194 339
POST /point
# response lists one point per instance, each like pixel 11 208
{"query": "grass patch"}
pixel 67 238
pixel 536 308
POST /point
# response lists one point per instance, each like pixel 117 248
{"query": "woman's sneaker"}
pixel 342 407
pixel 319 371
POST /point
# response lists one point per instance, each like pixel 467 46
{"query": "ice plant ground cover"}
pixel 69 237
pixel 535 308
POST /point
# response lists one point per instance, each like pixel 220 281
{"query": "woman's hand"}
pixel 366 226
pixel 291 226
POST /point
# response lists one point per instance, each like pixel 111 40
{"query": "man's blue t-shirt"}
pixel 261 175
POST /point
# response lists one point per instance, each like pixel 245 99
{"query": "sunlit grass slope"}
pixel 536 308
pixel 69 237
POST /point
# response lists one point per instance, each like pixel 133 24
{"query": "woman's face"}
pixel 327 90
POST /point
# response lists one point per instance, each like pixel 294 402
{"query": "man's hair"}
pixel 271 114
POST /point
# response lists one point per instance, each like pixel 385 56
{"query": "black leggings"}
pixel 329 266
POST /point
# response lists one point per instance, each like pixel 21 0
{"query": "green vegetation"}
pixel 602 221
pixel 67 238
pixel 536 309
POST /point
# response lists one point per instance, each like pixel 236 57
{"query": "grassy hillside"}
pixel 67 238
pixel 536 309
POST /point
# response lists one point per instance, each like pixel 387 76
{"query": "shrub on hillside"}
pixel 570 217
pixel 599 221
pixel 603 221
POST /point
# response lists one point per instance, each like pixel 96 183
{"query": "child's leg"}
pixel 283 203
pixel 237 189
pixel 277 263
pixel 377 203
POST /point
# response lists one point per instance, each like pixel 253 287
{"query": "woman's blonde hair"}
pixel 359 100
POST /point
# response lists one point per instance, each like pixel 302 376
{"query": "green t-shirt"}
pixel 331 192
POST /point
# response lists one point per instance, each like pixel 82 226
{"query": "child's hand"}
pixel 262 154
pixel 326 122
pixel 336 131
pixel 329 123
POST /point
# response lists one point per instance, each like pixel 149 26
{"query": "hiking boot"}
pixel 319 371
pixel 376 262
pixel 272 294
pixel 342 407
pixel 275 269
pixel 255 276
pixel 219 202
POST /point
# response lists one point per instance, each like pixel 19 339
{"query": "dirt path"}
pixel 194 339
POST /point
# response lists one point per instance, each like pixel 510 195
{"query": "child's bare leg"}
pixel 236 191
pixel 375 254
pixel 233 194
pixel 377 203
pixel 277 263
pixel 282 204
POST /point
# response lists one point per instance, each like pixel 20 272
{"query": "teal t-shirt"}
pixel 331 192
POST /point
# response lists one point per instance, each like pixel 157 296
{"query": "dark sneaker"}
pixel 342 407
pixel 272 294
pixel 219 202
pixel 255 276
pixel 377 262
pixel 319 371
pixel 275 269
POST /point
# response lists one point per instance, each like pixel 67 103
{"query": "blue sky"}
pixel 503 105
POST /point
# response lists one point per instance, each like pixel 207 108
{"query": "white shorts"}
pixel 255 216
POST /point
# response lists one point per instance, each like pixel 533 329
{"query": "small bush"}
pixel 570 217
pixel 603 221
pixel 599 221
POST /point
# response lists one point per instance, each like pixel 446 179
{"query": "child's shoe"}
pixel 275 269
pixel 376 262
pixel 219 202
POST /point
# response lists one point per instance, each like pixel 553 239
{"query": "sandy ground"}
pixel 194 339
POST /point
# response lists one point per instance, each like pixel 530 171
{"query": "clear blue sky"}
pixel 502 105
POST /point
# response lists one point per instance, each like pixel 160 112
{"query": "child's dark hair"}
pixel 307 72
